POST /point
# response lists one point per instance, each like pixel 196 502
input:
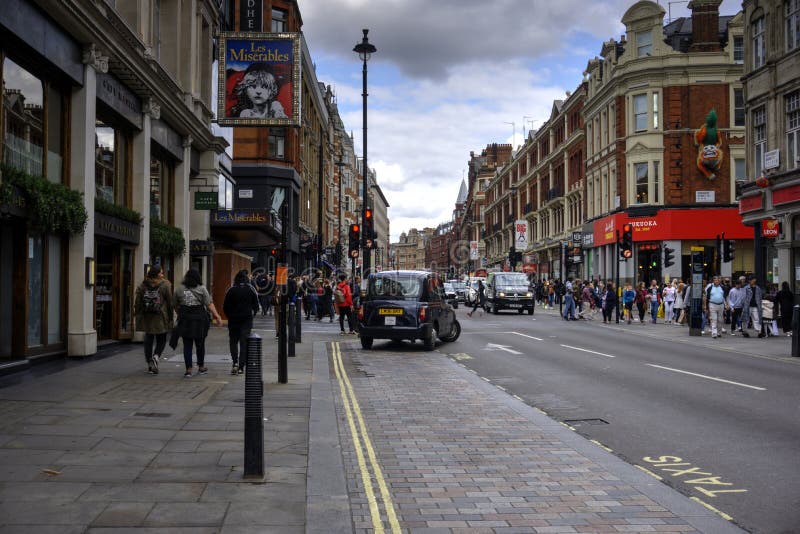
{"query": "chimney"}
pixel 705 26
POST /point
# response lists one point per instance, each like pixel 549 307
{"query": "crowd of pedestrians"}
pixel 735 307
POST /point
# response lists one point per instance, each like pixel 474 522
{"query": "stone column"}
pixel 183 205
pixel 81 333
pixel 140 193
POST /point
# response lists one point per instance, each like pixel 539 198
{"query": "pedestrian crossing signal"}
pixel 626 243
pixel 669 256
pixel 353 244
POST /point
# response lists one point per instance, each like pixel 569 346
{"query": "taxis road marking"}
pixel 757 388
pixel 348 398
pixel 664 463
pixel 722 514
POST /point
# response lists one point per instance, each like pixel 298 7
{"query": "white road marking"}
pixel 525 335
pixel 587 350
pixel 707 377
pixel 506 348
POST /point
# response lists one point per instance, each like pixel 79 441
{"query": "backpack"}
pixel 338 296
pixel 151 300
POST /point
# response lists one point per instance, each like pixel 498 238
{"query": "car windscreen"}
pixel 511 279
pixel 458 285
pixel 395 287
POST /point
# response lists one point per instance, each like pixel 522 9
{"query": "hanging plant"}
pixel 166 240
pixel 52 208
pixel 113 210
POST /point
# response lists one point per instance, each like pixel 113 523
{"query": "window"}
pixel 759 138
pixel 739 170
pixel 793 130
pixel 759 49
pixel 656 169
pixel 277 139
pixel 111 163
pixel 738 49
pixel 157 29
pixel 278 20
pixel 23 119
pixel 655 110
pixel 161 184
pixel 644 44
pixel 640 113
pixel 738 107
pixel 642 182
pixel 225 193
pixel 792 24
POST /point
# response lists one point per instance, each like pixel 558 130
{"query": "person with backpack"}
pixel 344 296
pixel 153 313
pixel 240 305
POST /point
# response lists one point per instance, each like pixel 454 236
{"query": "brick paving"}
pixel 460 456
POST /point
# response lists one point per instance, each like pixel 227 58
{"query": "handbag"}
pixel 173 338
pixel 660 314
pixel 774 328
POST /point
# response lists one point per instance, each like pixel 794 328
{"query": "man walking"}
pixel 240 305
pixel 715 306
pixel 752 302
pixel 736 303
pixel 569 302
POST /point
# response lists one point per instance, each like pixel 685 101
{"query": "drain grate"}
pixel 578 422
pixel 151 414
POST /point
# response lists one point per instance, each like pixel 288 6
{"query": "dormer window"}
pixel 644 44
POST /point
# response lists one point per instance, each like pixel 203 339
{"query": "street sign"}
pixel 772 159
pixel 206 200
pixel 521 234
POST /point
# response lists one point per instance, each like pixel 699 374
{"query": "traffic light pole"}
pixel 616 278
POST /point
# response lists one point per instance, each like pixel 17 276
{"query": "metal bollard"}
pixel 253 411
pixel 294 317
pixel 283 364
pixel 795 333
pixel 298 325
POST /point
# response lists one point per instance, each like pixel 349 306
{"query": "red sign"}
pixel 770 228
pixel 666 224
pixel 785 195
pixel 753 203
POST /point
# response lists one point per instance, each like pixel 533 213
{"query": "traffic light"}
pixel 669 256
pixel 275 252
pixel 512 256
pixel 369 229
pixel 728 250
pixel 354 241
pixel 655 259
pixel 626 243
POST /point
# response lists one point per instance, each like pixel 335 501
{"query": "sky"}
pixel 450 77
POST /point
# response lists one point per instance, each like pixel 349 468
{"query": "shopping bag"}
pixel 774 327
pixel 661 311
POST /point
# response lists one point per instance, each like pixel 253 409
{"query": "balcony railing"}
pixel 527 208
pixel 553 194
pixel 509 218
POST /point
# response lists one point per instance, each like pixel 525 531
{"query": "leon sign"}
pixel 770 228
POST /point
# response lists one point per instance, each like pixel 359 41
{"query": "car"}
pixel 406 305
pixel 451 295
pixel 460 287
pixel 508 291
pixel 472 290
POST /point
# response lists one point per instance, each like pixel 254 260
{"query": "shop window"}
pixel 55 331
pixel 55 135
pixel 161 188
pixel 35 286
pixel 111 147
pixel 23 119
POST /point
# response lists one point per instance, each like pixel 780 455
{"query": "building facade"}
pixel 770 188
pixel 409 252
pixel 112 100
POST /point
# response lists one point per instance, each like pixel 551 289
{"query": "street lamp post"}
pixel 364 49
pixel 339 164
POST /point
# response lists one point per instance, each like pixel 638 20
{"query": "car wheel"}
pixel 366 343
pixel 455 331
pixel 530 311
pixel 429 341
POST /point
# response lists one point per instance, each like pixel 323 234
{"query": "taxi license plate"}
pixel 515 305
pixel 390 321
pixel 390 311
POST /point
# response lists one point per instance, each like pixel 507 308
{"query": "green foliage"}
pixel 166 240
pixel 113 210
pixel 52 208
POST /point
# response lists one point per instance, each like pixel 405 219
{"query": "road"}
pixel 719 420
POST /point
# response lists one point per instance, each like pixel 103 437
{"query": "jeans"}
pixel 238 332
pixel 266 303
pixel 550 298
pixel 200 344
pixel 736 319
pixel 654 310
pixel 161 341
pixel 569 307
pixel 640 309
pixel 668 313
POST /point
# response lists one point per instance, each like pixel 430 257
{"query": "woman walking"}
pixel 628 296
pixel 641 300
pixel 154 312
pixel 784 302
pixel 610 302
pixel 194 305
pixel 480 299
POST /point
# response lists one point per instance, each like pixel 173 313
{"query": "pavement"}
pixel 392 440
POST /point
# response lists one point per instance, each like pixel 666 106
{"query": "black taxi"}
pixel 410 305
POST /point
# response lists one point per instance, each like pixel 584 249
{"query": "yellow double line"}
pixel 359 434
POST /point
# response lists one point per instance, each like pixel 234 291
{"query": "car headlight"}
pixel 528 294
pixel 501 294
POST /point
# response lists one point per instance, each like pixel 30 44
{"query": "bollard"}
pixel 298 324
pixel 795 333
pixel 283 364
pixel 294 317
pixel 253 411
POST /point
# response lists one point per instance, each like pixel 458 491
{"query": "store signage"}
pixel 704 196
pixel 772 159
pixel 199 247
pixel 521 234
pixel 770 228
pixel 784 195
pixel 206 200
pixel 114 228
pixel 245 193
pixel 119 98
pixel 251 15
pixel 753 203
pixel 240 217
